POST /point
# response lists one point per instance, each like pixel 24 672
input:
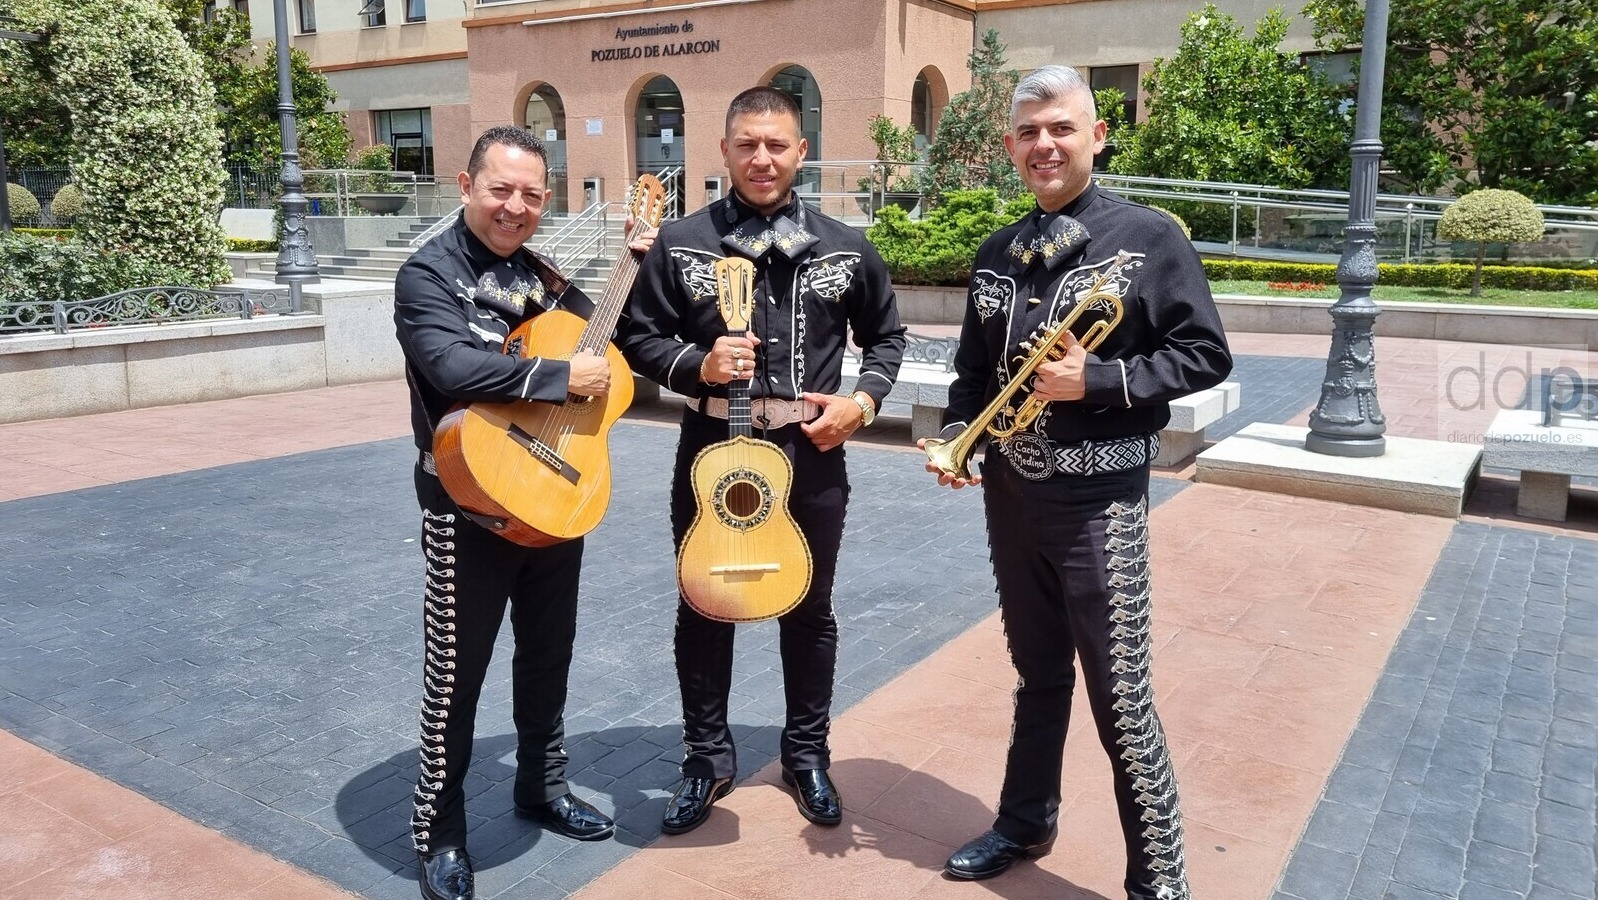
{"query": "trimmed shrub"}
pixel 67 204
pixel 1441 275
pixel 1489 216
pixel 939 248
pixel 24 206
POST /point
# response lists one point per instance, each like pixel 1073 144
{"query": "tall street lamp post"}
pixel 1348 421
pixel 296 259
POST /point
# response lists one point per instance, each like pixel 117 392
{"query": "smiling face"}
pixel 506 199
pixel 1052 143
pixel 763 152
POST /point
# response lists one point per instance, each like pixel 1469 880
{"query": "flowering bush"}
pixel 148 152
pixel 44 269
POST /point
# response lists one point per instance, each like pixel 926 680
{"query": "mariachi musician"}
pixel 1066 494
pixel 815 279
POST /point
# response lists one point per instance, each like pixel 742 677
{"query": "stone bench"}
pixel 1190 415
pixel 1545 456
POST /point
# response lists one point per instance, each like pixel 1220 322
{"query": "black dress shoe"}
pixel 446 875
pixel 816 795
pixel 689 807
pixel 991 853
pixel 571 817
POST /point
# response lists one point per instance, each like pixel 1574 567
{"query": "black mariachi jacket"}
pixel 1030 274
pixel 455 302
pixel 815 278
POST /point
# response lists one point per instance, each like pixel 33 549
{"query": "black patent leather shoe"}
pixel 816 795
pixel 989 854
pixel 446 876
pixel 689 807
pixel 571 817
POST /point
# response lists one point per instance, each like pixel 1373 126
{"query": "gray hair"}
pixel 1052 83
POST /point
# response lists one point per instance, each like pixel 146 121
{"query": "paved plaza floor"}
pixel 210 660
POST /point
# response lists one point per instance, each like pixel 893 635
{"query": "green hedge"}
pixel 938 249
pixel 1443 275
pixel 249 245
pixel 60 234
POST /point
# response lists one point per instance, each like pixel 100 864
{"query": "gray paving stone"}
pixel 1501 748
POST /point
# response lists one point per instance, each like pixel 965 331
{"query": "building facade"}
pixel 619 87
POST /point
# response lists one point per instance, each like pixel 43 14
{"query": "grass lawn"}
pixel 1489 296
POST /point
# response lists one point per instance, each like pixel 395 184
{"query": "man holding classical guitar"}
pixel 463 307
pixel 1098 311
pixel 812 283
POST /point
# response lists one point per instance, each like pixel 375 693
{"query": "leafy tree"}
pixel 1228 107
pixel 1489 216
pixel 24 206
pixel 968 150
pixel 1507 92
pixel 148 154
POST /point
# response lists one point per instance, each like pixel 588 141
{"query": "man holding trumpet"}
pixel 1075 418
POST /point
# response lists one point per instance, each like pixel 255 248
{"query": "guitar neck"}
pixel 607 309
pixel 740 420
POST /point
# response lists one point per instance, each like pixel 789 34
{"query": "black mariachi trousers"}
pixel 471 575
pixel 807 634
pixel 1071 558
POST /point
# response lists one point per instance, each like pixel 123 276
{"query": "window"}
pixel 375 12
pixel 307 10
pixel 1123 79
pixel 410 133
pixel 416 10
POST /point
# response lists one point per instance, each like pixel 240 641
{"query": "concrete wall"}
pixel 346 337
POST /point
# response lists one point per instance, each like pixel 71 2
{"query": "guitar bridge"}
pixel 544 453
pixel 745 568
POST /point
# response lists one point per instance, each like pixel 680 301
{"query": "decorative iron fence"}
pixel 143 306
pixel 919 348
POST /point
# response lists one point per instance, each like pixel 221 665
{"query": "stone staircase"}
pixel 383 263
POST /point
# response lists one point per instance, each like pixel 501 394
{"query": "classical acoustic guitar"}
pixel 743 558
pixel 539 473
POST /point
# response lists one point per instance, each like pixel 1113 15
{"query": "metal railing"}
pixel 581 238
pixel 1271 222
pixel 671 182
pixel 849 189
pixel 143 306
pixel 437 228
pixel 937 352
pixel 376 192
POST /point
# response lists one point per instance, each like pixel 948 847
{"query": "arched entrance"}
pixel 928 96
pixel 658 128
pixel 798 83
pixel 545 117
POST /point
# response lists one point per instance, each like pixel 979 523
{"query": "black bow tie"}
pixel 1050 237
pixel 784 232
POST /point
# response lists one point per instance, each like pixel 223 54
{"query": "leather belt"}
pixel 766 412
pixel 1037 458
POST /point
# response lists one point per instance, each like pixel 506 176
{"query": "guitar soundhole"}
pixel 743 499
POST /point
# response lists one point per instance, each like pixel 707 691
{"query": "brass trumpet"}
pixel 953 457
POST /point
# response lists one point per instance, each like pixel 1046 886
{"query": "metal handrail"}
pixel 671 181
pixel 584 238
pixel 342 195
pixel 437 228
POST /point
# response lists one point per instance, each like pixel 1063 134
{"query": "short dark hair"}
pixel 760 100
pixel 509 136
